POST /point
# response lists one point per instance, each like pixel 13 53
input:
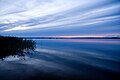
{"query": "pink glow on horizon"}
pixel 83 35
pixel 91 41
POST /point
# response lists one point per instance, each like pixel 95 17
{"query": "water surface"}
pixel 90 58
pixel 66 59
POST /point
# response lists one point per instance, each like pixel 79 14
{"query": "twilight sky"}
pixel 59 17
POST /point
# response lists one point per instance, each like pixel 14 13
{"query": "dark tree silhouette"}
pixel 15 46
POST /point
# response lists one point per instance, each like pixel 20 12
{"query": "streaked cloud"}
pixel 27 15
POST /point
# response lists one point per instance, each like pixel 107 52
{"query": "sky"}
pixel 59 17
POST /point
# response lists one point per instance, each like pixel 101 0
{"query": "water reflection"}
pixel 70 59
pixel 105 41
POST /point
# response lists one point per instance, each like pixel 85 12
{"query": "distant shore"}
pixel 71 37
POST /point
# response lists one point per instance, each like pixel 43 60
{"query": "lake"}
pixel 89 58
pixel 67 59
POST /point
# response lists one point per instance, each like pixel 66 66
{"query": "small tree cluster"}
pixel 15 46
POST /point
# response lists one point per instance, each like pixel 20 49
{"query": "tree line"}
pixel 10 46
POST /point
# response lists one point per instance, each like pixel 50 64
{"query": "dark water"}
pixel 66 59
pixel 83 58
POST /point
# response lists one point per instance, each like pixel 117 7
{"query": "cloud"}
pixel 41 14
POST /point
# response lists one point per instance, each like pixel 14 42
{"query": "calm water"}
pixel 66 59
pixel 90 58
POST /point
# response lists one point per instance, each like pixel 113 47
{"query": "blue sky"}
pixel 59 17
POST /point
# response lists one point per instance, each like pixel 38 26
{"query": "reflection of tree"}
pixel 15 46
